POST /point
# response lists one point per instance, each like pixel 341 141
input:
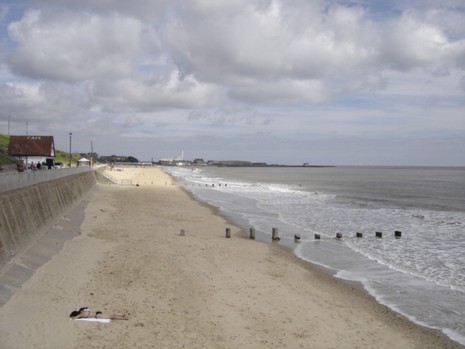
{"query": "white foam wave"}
pixel 427 256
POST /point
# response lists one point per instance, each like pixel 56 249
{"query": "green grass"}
pixel 4 140
pixel 4 158
pixel 63 157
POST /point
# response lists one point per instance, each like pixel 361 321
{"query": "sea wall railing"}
pixel 16 180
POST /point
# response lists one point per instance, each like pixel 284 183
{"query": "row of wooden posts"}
pixel 378 234
pixel 228 233
pixel 275 234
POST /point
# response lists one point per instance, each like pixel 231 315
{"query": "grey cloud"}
pixel 135 95
pixel 254 52
pixel 294 68
pixel 230 116
pixel 73 47
pixel 462 83
pixel 147 10
pixel 195 115
pixel 42 101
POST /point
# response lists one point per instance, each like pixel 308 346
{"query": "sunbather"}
pixel 86 313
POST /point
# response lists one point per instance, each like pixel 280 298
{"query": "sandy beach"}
pixel 201 290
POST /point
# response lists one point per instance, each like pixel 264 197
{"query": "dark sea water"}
pixel 421 274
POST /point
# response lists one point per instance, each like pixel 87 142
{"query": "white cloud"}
pixel 135 95
pixel 274 46
pixel 278 52
pixel 411 43
pixel 74 47
pixel 271 46
pixel 316 69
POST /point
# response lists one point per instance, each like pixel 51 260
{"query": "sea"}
pixel 420 274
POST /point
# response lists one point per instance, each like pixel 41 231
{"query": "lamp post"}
pixel 70 135
pixel 91 154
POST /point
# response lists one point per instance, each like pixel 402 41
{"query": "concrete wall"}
pixel 25 213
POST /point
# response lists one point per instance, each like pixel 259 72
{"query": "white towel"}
pixel 105 321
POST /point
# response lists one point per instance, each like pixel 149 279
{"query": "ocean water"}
pixel 420 275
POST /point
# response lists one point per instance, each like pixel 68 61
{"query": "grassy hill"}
pixel 4 158
pixel 63 157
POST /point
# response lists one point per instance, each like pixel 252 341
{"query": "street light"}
pixel 70 135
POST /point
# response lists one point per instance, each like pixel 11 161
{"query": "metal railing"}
pixel 17 180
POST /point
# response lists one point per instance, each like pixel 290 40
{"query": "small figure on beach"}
pixel 86 313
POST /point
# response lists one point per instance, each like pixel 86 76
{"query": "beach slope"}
pixel 200 290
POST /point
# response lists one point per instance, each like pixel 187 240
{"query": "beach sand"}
pixel 201 290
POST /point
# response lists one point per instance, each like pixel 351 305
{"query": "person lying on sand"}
pixel 86 313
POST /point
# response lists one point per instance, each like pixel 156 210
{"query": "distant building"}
pixel 199 162
pixel 32 149
pixel 166 161
pixel 117 159
pixel 236 163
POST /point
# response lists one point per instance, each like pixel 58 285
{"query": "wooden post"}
pixel 252 233
pixel 379 234
pixel 317 236
pixel 397 234
pixel 274 234
pixel 296 238
pixel 228 232
pixel 183 232
pixel 338 236
pixel 359 235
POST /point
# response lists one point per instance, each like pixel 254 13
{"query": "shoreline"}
pixel 198 290
pixel 329 274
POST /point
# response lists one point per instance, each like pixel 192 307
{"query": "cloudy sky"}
pixel 360 82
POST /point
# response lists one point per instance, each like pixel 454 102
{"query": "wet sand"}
pixel 201 290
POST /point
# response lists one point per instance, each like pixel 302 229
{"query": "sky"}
pixel 324 82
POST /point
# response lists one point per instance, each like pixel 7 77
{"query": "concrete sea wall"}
pixel 26 213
